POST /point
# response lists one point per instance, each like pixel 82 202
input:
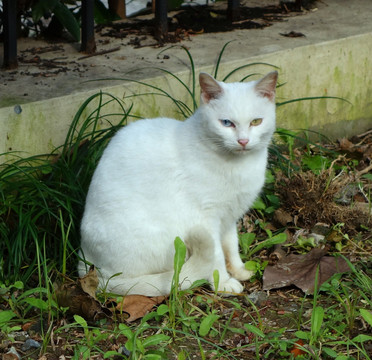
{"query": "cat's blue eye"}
pixel 227 123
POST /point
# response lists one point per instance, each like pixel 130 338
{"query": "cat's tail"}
pixel 198 266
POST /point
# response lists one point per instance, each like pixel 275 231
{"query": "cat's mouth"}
pixel 242 150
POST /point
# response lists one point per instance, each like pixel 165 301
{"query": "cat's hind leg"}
pixel 199 265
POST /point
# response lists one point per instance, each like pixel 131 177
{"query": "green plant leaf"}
pixel 277 239
pixel 38 303
pixel 303 335
pixel 18 285
pixel 162 309
pixel 174 4
pixel 150 356
pixel 246 240
pixel 255 330
pixel 252 265
pixel 317 317
pixel 330 352
pixel 198 283
pixel 81 321
pixel 207 323
pixel 112 354
pixel 41 7
pixel 274 200
pixel 259 205
pixel 102 15
pixel 180 255
pixel 126 331
pixel 155 340
pixel 216 279
pixel 67 19
pixel 269 177
pixel 367 176
pixel 6 316
pixel 367 316
pixel 362 338
pixel 316 163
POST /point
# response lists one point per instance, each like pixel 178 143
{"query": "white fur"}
pixel 162 178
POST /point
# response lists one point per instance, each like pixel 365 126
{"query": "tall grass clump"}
pixel 42 197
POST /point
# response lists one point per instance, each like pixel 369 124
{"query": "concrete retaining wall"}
pixel 340 68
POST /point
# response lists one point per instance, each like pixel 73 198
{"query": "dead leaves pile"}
pixel 309 198
pixel 338 194
pixel 80 298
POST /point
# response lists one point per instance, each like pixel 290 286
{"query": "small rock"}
pixel 29 344
pixel 320 229
pixel 20 336
pixel 11 354
pixel 346 194
pixel 257 298
pixel 123 350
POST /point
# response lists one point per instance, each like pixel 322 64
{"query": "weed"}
pixel 43 196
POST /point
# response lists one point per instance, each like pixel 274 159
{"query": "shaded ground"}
pixel 196 20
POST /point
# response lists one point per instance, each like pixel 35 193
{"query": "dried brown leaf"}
pixel 346 145
pixel 300 270
pixel 89 282
pixel 282 217
pixel 137 306
pixel 79 297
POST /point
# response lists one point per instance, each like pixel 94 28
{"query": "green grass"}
pixel 42 197
pixel 41 202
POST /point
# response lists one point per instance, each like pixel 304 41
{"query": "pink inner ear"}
pixel 210 89
pixel 267 85
pixel 269 94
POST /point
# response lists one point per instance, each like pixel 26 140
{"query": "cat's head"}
pixel 238 117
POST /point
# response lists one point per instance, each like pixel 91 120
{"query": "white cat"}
pixel 162 178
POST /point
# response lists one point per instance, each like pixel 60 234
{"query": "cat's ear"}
pixel 210 88
pixel 266 86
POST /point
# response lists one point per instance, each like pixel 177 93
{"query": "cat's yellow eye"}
pixel 256 122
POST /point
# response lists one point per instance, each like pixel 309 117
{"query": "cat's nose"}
pixel 243 142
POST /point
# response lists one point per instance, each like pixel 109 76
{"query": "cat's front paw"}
pixel 241 273
pixel 230 287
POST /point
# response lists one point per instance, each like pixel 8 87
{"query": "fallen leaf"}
pixel 346 145
pixel 137 306
pixel 282 217
pixel 89 282
pixel 79 297
pixel 300 270
pixel 12 354
pixel 277 254
pixel 297 351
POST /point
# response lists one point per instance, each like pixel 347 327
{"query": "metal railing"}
pixel 88 44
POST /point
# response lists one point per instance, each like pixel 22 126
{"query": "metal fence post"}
pixel 161 19
pixel 88 44
pixel 233 10
pixel 10 34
